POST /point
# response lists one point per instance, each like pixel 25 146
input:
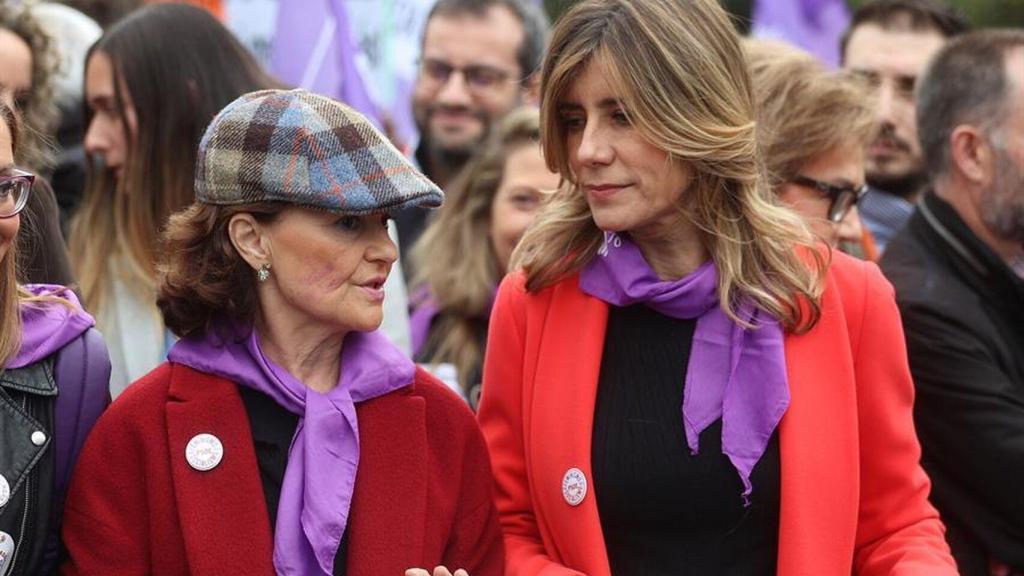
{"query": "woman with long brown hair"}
pixel 54 375
pixel 465 251
pixel 679 380
pixel 153 82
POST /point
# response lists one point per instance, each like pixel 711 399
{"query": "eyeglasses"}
pixel 479 77
pixel 843 197
pixel 14 191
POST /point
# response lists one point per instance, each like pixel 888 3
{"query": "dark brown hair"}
pixel 177 66
pixel 202 278
pixel 916 15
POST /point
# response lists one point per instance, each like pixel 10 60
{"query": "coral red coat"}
pixel 423 493
pixel 854 498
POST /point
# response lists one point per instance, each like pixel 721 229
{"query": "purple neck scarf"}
pixel 316 493
pixel 734 374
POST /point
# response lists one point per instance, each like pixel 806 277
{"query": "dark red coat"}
pixel 423 494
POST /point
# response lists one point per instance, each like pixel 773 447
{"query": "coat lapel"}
pixel 222 512
pixel 818 444
pixel 389 507
pixel 564 395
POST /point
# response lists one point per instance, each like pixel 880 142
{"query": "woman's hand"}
pixel 439 571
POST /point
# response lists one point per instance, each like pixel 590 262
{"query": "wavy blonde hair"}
pixel 12 294
pixel 683 80
pixel 454 258
pixel 804 110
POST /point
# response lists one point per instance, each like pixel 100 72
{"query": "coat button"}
pixel 38 438
pixel 5 491
pixel 204 452
pixel 574 486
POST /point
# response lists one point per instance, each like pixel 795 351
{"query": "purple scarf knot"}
pixel 736 374
pixel 316 493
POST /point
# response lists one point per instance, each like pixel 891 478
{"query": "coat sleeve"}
pixel 105 515
pixel 970 412
pixel 898 531
pixel 501 419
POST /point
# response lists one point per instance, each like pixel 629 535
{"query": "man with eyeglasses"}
pixel 889 42
pixel 958 270
pixel 480 59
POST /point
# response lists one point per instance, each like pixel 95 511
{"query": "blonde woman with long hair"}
pixel 679 380
pixel 465 252
pixel 814 127
pixel 54 373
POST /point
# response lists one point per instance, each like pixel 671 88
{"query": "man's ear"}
pixel 971 154
pixel 531 90
pixel 250 239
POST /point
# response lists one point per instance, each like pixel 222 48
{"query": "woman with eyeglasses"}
pixel 54 373
pixel 813 126
pixel 680 379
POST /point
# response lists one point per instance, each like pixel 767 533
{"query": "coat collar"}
pixel 818 497
pixel 225 499
pixel 383 537
pixel 388 519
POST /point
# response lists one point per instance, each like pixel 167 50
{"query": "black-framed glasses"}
pixel 14 191
pixel 478 77
pixel 843 197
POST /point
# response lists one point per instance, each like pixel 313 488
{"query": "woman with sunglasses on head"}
pixel 153 81
pixel 54 374
pixel 813 126
pixel 679 378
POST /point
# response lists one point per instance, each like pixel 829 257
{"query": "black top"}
pixel 963 316
pixel 664 511
pixel 273 428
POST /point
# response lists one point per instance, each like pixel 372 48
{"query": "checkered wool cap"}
pixel 305 149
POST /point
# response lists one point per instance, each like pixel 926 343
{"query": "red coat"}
pixel 423 494
pixel 853 496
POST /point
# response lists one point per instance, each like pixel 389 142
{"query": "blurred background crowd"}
pixel 115 94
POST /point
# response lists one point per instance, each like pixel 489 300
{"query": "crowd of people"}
pixel 645 298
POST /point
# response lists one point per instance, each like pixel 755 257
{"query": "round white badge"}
pixel 204 452
pixel 574 486
pixel 5 491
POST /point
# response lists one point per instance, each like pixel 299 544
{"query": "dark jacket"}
pixel 46 410
pixel 963 314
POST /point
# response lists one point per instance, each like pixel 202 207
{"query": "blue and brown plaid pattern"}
pixel 305 149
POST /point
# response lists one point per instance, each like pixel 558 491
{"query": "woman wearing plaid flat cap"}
pixel 284 434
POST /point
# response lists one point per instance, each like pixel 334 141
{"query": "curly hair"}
pixel 38 109
pixel 202 278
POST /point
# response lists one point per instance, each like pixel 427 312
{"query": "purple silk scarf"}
pixel 316 493
pixel 736 374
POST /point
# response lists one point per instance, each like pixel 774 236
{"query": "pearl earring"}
pixel 263 274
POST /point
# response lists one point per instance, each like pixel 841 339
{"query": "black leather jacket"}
pixel 27 458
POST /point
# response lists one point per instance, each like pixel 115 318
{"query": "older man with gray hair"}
pixel 958 270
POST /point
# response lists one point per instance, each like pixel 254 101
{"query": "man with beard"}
pixel 889 42
pixel 958 270
pixel 480 59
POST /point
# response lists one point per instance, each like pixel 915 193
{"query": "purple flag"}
pixel 814 25
pixel 313 49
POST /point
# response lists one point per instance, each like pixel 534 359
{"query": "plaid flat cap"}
pixel 309 150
